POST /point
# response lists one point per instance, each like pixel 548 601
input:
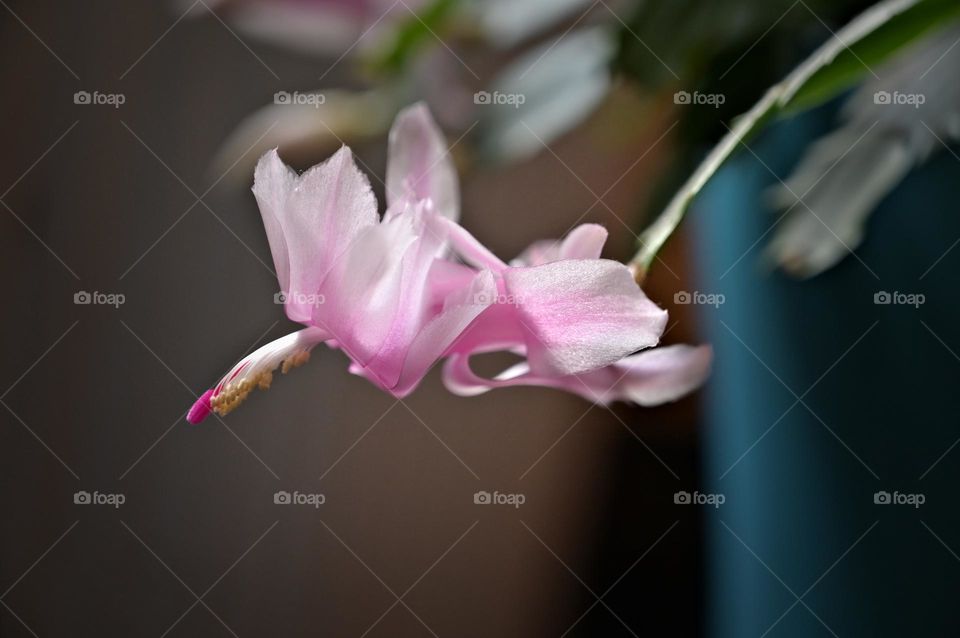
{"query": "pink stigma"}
pixel 201 409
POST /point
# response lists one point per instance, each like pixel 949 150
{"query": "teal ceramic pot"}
pixel 823 402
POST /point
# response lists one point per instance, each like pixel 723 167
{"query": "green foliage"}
pixel 853 62
pixel 844 58
pixel 411 34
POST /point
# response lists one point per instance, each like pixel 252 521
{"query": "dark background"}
pixel 123 201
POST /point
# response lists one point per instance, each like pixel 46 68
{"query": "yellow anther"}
pixel 234 393
pixel 265 380
pixel 295 361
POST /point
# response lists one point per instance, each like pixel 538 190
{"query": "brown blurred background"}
pixel 106 199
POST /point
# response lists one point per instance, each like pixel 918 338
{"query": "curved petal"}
pixel 582 314
pixel 310 220
pixel 467 246
pixel 272 182
pixel 419 164
pixel 583 242
pixel 648 378
pixel 497 329
pixel 419 295
pixel 382 291
pixel 361 296
pixel 656 376
pixel 443 332
pixel 447 277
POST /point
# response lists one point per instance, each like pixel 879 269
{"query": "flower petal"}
pixel 444 331
pixel 362 293
pixel 583 242
pixel 419 294
pixel 467 246
pixel 310 220
pixel 656 376
pixel 419 164
pixel 582 314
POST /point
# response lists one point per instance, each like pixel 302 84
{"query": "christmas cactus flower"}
pixel 400 293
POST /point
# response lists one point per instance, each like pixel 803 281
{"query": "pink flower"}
pixel 400 293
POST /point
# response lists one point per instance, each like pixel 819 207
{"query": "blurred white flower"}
pixel 329 27
pixel 891 124
pixel 535 89
pixel 306 129
pixel 548 91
